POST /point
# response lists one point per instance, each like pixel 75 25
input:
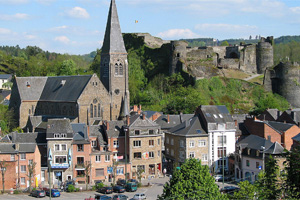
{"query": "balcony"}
pixel 60 166
pixel 79 166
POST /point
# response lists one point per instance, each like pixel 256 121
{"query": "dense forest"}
pixel 149 82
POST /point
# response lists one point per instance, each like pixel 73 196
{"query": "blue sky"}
pixel 78 26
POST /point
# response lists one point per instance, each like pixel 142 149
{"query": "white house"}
pixel 4 78
pixel 218 123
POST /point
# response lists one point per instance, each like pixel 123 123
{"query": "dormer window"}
pixel 257 153
pixel 28 84
pixel 248 151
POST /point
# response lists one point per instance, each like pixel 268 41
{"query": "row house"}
pixel 186 140
pixel 144 141
pixel 220 127
pixel 19 151
pixel 273 131
pixel 251 154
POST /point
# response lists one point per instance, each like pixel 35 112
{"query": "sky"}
pixel 78 26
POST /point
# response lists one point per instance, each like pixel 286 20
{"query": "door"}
pixel 57 177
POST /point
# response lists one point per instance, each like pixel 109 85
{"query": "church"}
pixel 85 99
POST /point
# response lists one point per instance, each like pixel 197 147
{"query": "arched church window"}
pixel 95 111
pixel 91 110
pixel 120 69
pixel 116 69
pixel 99 112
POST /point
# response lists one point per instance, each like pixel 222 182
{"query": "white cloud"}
pixel 295 10
pixel 177 34
pixel 5 31
pixel 30 37
pixel 17 16
pixel 77 12
pixel 14 2
pixel 45 2
pixel 62 39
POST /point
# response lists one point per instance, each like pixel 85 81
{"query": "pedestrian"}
pixel 165 171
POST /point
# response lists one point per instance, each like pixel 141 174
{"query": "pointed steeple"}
pixel 113 39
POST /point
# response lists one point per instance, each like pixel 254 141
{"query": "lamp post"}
pixel 49 168
pixel 3 170
pixel 126 129
pixel 263 157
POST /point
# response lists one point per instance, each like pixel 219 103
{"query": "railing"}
pixel 79 165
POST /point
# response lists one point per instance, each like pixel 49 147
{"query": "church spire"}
pixel 113 39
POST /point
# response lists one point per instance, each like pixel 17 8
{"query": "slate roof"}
pixel 150 113
pixel 174 120
pixel 216 114
pixel 255 142
pixel 59 126
pixel 190 127
pixel 7 148
pixel 115 129
pixel 296 138
pixel 137 121
pixel 276 148
pixel 113 39
pixel 14 137
pixel 281 127
pixel 5 76
pixel 30 88
pixel 98 131
pixel 80 133
pixel 64 88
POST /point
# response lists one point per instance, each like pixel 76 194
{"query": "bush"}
pixel 76 189
pixel 17 191
pixel 71 188
pixel 139 184
pixel 99 185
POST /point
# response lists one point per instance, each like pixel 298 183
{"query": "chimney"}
pixel 127 120
pixel 17 146
pixel 107 125
pixel 88 132
pixel 168 118
pixel 154 117
pixel 187 123
pixel 235 122
pixel 144 115
pixel 293 115
pixel 140 109
pixel 135 108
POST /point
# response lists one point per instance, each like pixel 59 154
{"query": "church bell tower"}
pixel 114 65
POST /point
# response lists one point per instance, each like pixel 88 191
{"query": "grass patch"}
pixel 259 79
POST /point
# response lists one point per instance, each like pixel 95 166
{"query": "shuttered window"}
pixel 100 172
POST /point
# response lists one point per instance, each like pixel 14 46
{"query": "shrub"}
pixel 139 184
pixel 76 189
pixel 17 191
pixel 99 185
pixel 71 188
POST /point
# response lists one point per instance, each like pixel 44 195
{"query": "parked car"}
pixel 120 197
pixel 54 193
pixel 121 182
pixel 38 193
pixel 139 196
pixel 118 188
pixel 131 187
pixel 105 190
pixel 218 178
pixel 132 180
pixel 102 197
pixel 229 189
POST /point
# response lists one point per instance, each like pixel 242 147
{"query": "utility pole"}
pixel 223 157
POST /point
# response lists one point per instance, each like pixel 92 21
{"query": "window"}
pixel 257 153
pixel 204 157
pixel 80 160
pixel 63 147
pixel 137 132
pixel 56 147
pixel 94 143
pixel 63 135
pixel 23 168
pixel 247 163
pixel 221 141
pixel 167 150
pixel 151 142
pixel 120 170
pixel 116 69
pixel 116 143
pixel 220 162
pixel 22 180
pixel 12 157
pixel 98 158
pixel 158 153
pixel 30 162
pixel 23 156
pixel 151 154
pixel 56 135
pixel 257 165
pixel 215 116
pixel 192 155
pixel 172 141
pixel 91 110
pixel 269 137
pixel 80 173
pixel 137 155
pixel 79 147
pixel 60 159
pixel 167 140
pixel 181 154
pixel 192 143
pixel 137 143
pixel 100 172
pixel 121 69
pixel 107 158
pixel 158 141
pixel 201 143
pixel 221 150
pixel 172 152
pixel 181 143
pixel 151 132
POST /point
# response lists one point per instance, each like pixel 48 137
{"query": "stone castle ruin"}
pixel 203 62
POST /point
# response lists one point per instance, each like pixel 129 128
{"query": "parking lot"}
pixel 151 192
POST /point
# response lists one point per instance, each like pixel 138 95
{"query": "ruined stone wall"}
pixel 230 63
pixel 248 59
pixel 177 60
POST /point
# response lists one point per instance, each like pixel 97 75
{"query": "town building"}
pixel 5 78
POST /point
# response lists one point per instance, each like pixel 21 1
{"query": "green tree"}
pixel 247 191
pixel 67 67
pixel 87 170
pixel 31 172
pixel 293 175
pixel 225 43
pixel 191 181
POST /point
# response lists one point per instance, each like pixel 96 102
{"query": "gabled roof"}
pixel 59 126
pixel 115 129
pixel 113 39
pixel 296 138
pixel 98 131
pixel 30 88
pixel 137 121
pixel 14 137
pixel 150 113
pixel 80 133
pixel 7 148
pixel 279 126
pixel 5 76
pixel 255 142
pixel 216 114
pixel 64 88
pixel 276 148
pixel 269 114
pixel 174 120
pixel 190 127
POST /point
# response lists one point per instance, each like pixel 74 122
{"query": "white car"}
pixel 218 178
pixel 139 196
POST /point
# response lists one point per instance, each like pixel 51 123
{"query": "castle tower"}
pixel 114 65
pixel 264 55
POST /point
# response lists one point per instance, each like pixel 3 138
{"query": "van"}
pixel 131 187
